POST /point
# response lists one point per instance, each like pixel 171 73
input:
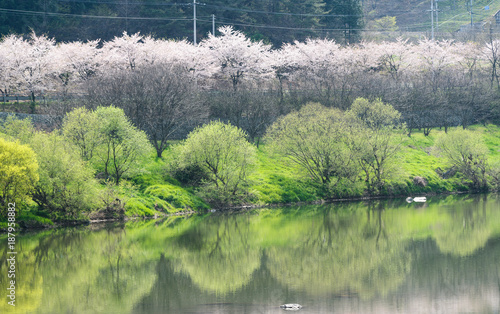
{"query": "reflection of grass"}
pixel 460 241
pixel 365 248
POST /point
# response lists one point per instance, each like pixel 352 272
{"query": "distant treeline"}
pixel 273 21
pixel 231 78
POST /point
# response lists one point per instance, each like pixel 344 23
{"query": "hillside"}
pixel 414 15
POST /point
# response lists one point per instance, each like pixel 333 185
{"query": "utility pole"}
pixel 432 18
pixel 45 15
pixel 126 16
pixel 432 10
pixel 213 24
pixel 437 17
pixel 194 22
pixel 471 19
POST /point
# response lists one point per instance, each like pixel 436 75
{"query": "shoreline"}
pixel 226 210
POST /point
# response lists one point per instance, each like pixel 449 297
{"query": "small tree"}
pixel 122 144
pixel 81 128
pixel 250 110
pixel 380 140
pixel 320 140
pixel 107 139
pixel 66 185
pixel 18 129
pixel 159 99
pixel 18 173
pixel 224 153
pixel 466 151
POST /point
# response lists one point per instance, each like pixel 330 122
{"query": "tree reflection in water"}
pixel 344 256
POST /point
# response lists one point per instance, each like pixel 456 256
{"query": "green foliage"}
pixel 32 220
pixel 284 189
pixel 158 199
pixel 320 140
pixel 375 115
pixel 21 130
pixel 334 147
pixel 81 127
pixel 225 155
pixel 121 145
pixel 139 207
pixel 275 181
pixel 384 28
pixel 107 139
pixel 190 174
pixel 465 150
pixel 384 24
pixel 66 186
pixel 379 140
pixel 18 173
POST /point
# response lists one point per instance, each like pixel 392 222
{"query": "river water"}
pixel 387 256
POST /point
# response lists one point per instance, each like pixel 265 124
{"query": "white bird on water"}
pixel 420 199
pixel 291 307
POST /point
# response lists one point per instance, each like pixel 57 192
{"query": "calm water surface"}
pixel 363 257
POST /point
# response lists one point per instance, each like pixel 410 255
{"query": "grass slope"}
pixel 276 180
pixel 153 191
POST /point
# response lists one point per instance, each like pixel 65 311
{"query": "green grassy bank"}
pixel 155 191
pixel 275 180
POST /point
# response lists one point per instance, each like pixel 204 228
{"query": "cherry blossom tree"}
pixel 237 57
pixel 77 62
pixel 123 52
pixel 28 63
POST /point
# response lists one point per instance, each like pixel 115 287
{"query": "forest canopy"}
pixel 272 21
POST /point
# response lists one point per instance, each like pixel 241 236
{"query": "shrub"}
pixel 66 185
pixel 108 139
pixel 319 139
pixel 18 173
pixel 466 151
pixel 378 140
pixel 224 154
pixel 81 128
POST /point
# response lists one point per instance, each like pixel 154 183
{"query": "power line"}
pixel 94 16
pixel 123 3
pixel 280 13
pixel 228 22
pixel 223 21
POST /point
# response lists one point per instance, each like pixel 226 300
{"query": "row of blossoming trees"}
pixel 431 83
